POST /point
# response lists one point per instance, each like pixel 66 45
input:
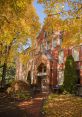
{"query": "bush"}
pixel 70 75
pixel 19 89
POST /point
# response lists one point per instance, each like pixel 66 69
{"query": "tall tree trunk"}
pixel 4 74
pixel 7 52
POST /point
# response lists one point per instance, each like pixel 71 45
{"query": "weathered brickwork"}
pixel 48 61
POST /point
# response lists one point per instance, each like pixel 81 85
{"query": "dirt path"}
pixel 28 108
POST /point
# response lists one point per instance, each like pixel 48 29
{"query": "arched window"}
pixel 41 68
pixel 48 45
pixel 75 53
pixel 54 43
pixel 59 41
pixel 60 77
pixel 61 57
pixel 29 77
pixel 41 47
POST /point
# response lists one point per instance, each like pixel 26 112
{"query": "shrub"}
pixel 70 75
pixel 19 89
pixel 19 85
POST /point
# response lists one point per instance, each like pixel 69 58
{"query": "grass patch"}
pixel 62 106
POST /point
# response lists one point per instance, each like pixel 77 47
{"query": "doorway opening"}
pixel 29 78
pixel 42 77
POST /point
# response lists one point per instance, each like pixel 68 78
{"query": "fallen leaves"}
pixel 63 106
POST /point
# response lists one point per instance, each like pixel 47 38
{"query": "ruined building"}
pixel 46 67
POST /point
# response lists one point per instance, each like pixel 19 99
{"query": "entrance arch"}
pixel 41 68
pixel 42 77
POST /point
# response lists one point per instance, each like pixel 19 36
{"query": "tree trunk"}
pixel 4 74
pixel 7 52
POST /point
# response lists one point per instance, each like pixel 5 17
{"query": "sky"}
pixel 40 11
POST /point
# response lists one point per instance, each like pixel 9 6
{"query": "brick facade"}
pixel 48 61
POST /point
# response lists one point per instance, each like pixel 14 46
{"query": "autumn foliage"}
pixel 18 23
pixel 65 16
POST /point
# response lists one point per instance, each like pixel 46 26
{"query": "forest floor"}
pixel 24 108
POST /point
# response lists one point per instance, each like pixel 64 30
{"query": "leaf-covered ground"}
pixel 21 108
pixel 63 106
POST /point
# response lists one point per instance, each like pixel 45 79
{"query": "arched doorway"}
pixel 42 77
pixel 29 78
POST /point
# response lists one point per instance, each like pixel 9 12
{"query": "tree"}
pixel 70 75
pixel 66 16
pixel 18 23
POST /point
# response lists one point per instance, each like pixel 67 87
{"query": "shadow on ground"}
pixel 24 108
